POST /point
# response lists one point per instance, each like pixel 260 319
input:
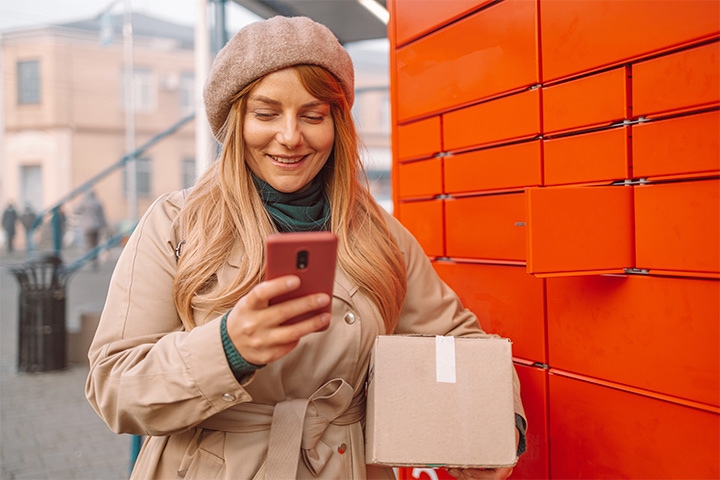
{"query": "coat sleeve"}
pixel 148 376
pixel 432 308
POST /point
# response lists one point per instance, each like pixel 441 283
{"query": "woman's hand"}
pixel 255 327
pixel 484 473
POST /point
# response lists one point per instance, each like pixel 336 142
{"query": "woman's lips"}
pixel 287 160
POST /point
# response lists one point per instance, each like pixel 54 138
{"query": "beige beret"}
pixel 267 46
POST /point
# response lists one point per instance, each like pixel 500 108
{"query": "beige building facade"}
pixel 64 118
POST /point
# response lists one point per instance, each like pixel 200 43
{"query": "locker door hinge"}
pixel 629 122
pixel 637 271
pixel 633 181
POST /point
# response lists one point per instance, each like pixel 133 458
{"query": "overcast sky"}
pixel 26 13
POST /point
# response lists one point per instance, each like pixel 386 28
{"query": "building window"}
pixel 143 170
pixel 188 172
pixel 28 82
pixel 187 92
pixel 31 186
pixel 144 90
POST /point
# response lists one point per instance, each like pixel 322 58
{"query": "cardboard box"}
pixel 440 402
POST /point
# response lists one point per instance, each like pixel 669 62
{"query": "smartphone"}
pixel 309 255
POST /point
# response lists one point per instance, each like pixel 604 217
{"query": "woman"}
pixel 188 350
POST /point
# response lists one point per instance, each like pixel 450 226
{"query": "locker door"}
pixel 579 230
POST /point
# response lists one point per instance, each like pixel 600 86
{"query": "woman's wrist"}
pixel 240 367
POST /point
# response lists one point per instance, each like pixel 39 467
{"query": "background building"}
pixel 64 112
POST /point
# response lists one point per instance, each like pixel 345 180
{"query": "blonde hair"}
pixel 224 211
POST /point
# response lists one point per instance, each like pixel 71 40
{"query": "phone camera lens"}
pixel 302 259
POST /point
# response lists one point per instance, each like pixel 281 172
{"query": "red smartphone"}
pixel 309 255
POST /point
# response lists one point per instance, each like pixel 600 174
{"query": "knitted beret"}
pixel 267 46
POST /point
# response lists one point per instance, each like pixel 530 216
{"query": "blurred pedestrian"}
pixel 9 220
pixel 27 218
pixel 92 222
pixel 57 227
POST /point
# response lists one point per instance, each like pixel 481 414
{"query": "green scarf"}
pixel 298 211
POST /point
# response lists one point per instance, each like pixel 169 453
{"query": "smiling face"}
pixel 288 133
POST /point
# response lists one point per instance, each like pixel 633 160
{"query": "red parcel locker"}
pixel 419 139
pixel 599 99
pixel 579 230
pixel 505 167
pixel 681 146
pixel 595 157
pixel 486 227
pixel 504 119
pixel 578 36
pixel 677 227
pixel 455 66
pixel 534 463
pixel 599 431
pixel 659 334
pixel 412 19
pixel 421 179
pixel 659 88
pixel 424 219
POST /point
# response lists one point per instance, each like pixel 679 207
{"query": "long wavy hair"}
pixel 224 212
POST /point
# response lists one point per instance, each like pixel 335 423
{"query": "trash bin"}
pixel 41 319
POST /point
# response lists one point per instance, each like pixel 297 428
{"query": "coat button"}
pixel 342 448
pixel 350 318
pixel 229 397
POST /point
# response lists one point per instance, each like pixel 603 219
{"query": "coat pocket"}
pixel 205 466
pixel 205 462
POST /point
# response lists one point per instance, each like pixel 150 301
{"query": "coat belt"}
pixel 296 427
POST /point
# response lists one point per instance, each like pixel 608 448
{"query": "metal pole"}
pixel 57 231
pixel 203 138
pixel 131 167
pixel 219 29
pixel 3 173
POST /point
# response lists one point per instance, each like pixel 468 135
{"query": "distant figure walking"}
pixel 92 221
pixel 27 218
pixel 9 220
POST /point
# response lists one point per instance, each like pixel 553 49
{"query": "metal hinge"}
pixel 637 271
pixel 633 181
pixel 624 123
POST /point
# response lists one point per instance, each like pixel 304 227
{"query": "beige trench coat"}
pixel 299 417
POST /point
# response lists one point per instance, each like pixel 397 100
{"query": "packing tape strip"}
pixel 445 359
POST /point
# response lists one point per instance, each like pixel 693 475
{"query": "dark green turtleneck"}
pixel 304 211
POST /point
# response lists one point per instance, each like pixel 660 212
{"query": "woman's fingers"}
pixel 256 327
pixel 261 294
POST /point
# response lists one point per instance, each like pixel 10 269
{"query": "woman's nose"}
pixel 289 134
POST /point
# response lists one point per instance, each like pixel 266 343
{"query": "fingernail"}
pixel 322 299
pixel 292 282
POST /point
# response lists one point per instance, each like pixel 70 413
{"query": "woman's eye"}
pixel 264 115
pixel 314 118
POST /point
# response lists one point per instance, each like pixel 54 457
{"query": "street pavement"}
pixel 47 428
